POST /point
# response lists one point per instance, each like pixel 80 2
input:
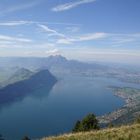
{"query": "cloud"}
pixel 92 36
pixel 104 39
pixel 52 52
pixel 43 52
pixel 14 39
pixel 123 39
pixel 51 32
pixel 70 5
pixel 71 36
pixel 18 7
pixel 85 37
pixel 65 41
pixel 14 23
pixel 62 23
pixel 73 29
pixel 38 23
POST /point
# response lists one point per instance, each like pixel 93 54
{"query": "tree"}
pixel 26 138
pixel 77 126
pixel 88 123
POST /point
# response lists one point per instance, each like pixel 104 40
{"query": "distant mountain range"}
pixel 31 62
pixel 56 64
pixel 59 66
pixel 37 62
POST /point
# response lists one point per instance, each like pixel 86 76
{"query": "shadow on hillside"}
pixel 18 91
pixel 8 98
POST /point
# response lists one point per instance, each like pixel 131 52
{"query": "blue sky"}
pixel 94 30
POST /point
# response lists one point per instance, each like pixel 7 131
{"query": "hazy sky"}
pixel 94 30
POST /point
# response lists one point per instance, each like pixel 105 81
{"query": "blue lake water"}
pixel 50 113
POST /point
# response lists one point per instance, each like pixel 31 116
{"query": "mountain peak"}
pixel 58 57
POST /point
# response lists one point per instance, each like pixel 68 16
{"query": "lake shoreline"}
pixel 130 108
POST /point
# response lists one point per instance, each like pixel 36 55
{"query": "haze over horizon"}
pixel 88 30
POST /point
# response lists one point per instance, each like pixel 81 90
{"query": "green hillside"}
pixel 128 132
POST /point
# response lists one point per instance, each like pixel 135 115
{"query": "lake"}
pixel 51 113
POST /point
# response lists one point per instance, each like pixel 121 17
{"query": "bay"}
pixel 45 113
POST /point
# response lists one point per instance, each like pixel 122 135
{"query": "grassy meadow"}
pixel 128 132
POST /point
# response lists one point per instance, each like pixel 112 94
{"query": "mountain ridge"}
pixel 22 88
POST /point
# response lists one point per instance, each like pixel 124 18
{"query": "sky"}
pixel 87 30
